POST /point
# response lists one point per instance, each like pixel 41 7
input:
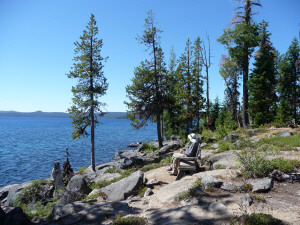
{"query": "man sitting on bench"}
pixel 189 152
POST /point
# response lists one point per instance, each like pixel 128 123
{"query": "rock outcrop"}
pixel 124 188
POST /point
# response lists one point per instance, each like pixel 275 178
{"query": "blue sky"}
pixel 37 43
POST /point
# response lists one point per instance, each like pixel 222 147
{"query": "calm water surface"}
pixel 29 146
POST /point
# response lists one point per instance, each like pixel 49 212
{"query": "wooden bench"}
pixel 189 164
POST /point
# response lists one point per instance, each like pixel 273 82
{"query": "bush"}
pixel 224 146
pixel 82 170
pixel 112 169
pixel 260 218
pixel 255 164
pixel 208 135
pixel 130 220
pixel 148 148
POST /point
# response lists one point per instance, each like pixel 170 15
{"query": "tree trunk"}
pixel 92 109
pixel 245 93
pixel 207 96
pixel 158 125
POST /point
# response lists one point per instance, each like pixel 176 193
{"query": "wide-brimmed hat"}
pixel 192 137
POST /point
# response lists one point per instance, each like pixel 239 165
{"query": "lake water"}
pixel 29 146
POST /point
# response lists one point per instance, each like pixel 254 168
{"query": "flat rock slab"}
pixel 124 188
pixel 78 213
pixel 191 214
pixel 10 193
pixel 261 185
pixel 170 191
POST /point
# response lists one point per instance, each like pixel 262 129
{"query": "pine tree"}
pixel 198 82
pixel 262 81
pixel 241 41
pixel 289 84
pixel 184 87
pixel 230 72
pixel 91 85
pixel 172 112
pixel 147 93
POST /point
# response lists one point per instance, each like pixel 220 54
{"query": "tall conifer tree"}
pixel 289 84
pixel 241 41
pixel 147 93
pixel 262 81
pixel 87 69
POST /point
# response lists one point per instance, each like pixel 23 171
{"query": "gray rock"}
pixel 210 181
pixel 153 182
pixel 237 143
pixel 231 137
pixel 168 146
pixel 246 200
pixel 175 138
pixel 298 149
pixel 128 158
pixel 124 188
pixel 224 159
pixel 134 145
pixel 215 146
pixel 83 213
pixel 285 134
pixel 56 176
pixel 228 187
pixel 2 214
pixel 16 217
pixel 239 185
pixel 78 184
pixel 218 207
pixel 261 185
pixel 279 176
pixel 270 135
pixel 148 192
pixel 13 193
pixel 202 145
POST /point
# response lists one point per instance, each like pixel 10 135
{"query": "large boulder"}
pixel 231 137
pixel 261 185
pixel 225 159
pixel 16 217
pixel 124 188
pixel 168 146
pixel 78 184
pixel 210 181
pixel 285 133
pixel 12 192
pixel 128 158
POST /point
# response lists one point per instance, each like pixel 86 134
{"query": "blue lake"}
pixel 29 146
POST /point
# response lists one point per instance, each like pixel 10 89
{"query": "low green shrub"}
pixel 112 169
pixel 130 220
pixel 224 146
pixel 208 135
pixel 219 167
pixel 261 219
pixel 148 148
pixel 256 165
pixel 100 184
pixel 142 191
pixel 82 170
pixel 167 160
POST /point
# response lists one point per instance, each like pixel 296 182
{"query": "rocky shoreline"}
pixel 223 194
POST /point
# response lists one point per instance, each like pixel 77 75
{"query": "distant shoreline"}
pixel 108 115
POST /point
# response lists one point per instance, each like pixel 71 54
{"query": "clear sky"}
pixel 37 42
